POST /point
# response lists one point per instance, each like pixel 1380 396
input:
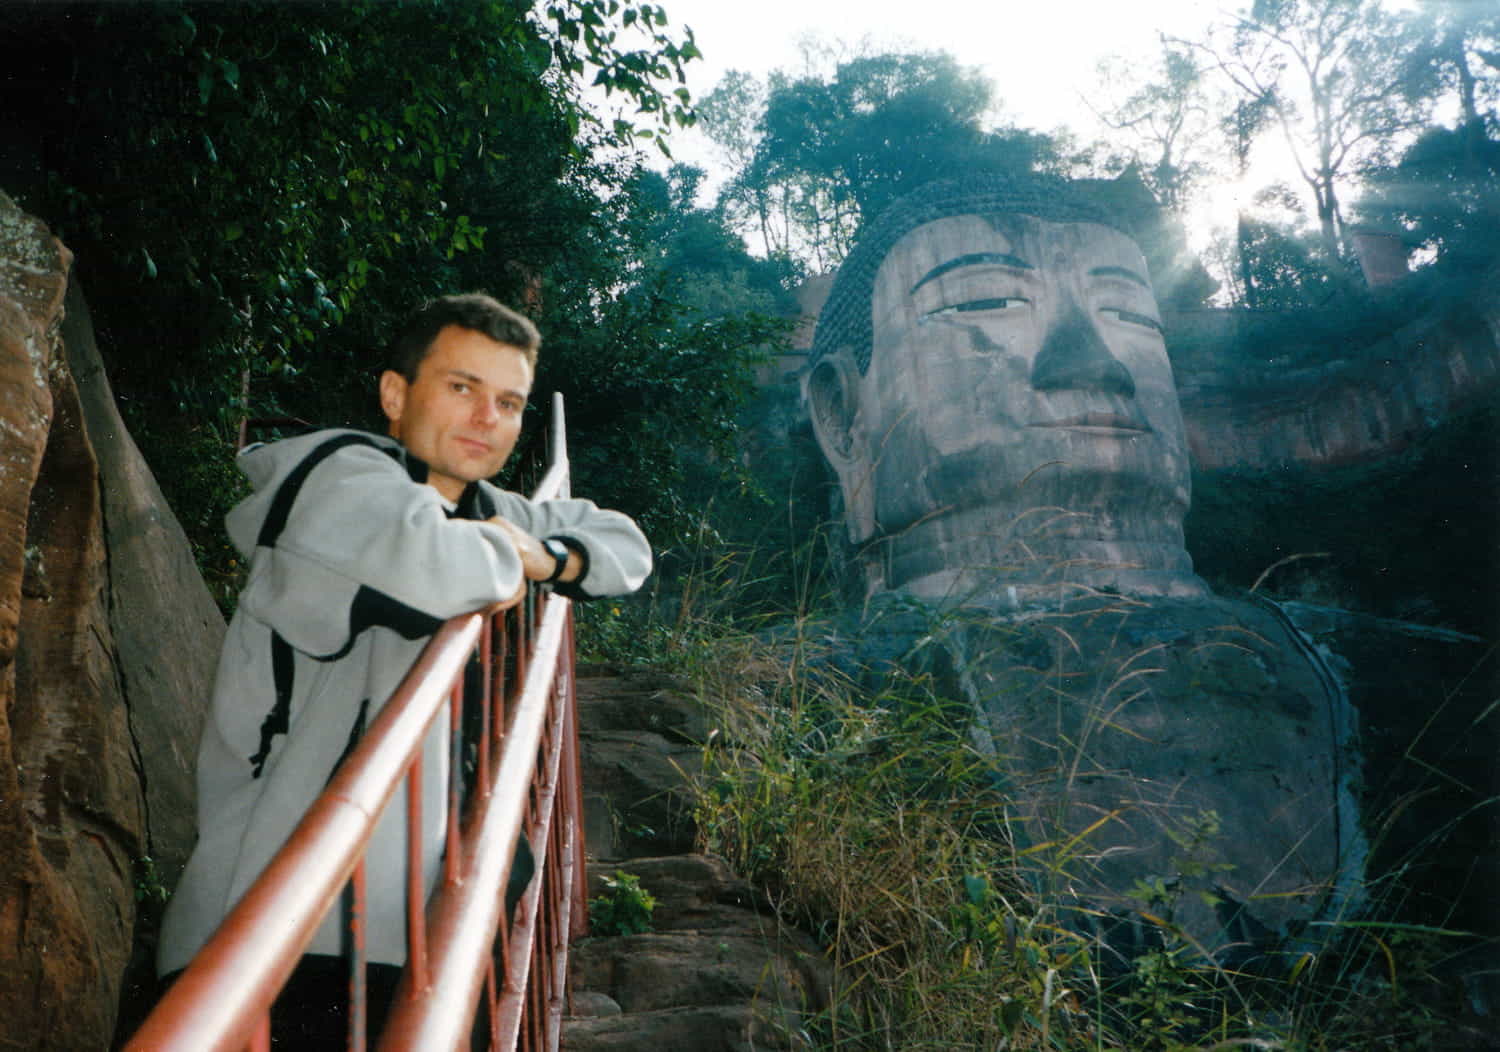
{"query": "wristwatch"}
pixel 559 551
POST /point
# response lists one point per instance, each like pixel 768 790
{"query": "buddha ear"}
pixel 832 392
pixel 833 404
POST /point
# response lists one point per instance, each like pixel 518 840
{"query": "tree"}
pixel 730 116
pixel 832 150
pixel 325 141
pixel 1166 119
pixel 1335 77
pixel 1463 45
pixel 663 311
pixel 256 191
pixel 1443 194
pixel 1241 126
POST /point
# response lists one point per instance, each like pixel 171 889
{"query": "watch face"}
pixel 559 551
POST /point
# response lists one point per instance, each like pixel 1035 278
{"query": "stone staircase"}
pixel 718 971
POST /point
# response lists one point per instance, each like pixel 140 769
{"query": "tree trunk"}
pixel 1247 276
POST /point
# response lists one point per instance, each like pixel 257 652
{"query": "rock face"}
pixel 714 974
pixel 1347 409
pixel 72 819
pixel 1428 741
pixel 717 972
pixel 166 626
pixel 639 736
pixel 84 649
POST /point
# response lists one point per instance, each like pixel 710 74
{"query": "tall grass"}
pixel 871 818
pixel 865 805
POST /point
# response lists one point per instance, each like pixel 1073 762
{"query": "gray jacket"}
pixel 354 563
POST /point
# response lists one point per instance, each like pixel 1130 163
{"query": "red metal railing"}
pixel 462 950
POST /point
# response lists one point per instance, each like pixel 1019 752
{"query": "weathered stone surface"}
pixel 990 383
pixel 167 632
pixel 718 971
pixel 637 739
pixel 1343 410
pixel 1215 749
pixel 714 973
pixel 647 973
pixel 691 892
pixel 166 626
pixel 719 1028
pixel 108 641
pixel 590 1004
pixel 1429 742
pixel 1196 746
pixel 640 700
pixel 71 811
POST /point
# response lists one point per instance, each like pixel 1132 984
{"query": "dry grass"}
pixel 871 820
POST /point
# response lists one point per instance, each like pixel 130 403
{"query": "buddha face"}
pixel 1017 372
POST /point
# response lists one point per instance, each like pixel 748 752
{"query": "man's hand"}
pixel 536 562
pixel 506 604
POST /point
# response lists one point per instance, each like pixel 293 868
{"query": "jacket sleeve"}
pixel 363 544
pixel 617 557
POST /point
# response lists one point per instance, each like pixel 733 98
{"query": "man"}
pixel 990 383
pixel 360 547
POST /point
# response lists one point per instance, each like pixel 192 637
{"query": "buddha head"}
pixel 990 383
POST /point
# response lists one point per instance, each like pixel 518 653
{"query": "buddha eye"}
pixel 1130 317
pixel 998 303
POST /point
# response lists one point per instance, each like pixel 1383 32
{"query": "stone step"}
pixel 718 970
pixel 718 1028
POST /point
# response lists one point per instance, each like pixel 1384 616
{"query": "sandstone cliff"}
pixel 107 643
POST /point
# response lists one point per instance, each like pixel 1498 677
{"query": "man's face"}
pixel 462 414
pixel 1019 364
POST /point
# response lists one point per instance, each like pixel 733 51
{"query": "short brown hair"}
pixel 469 310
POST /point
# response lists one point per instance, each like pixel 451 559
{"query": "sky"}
pixel 1042 58
pixel 1040 55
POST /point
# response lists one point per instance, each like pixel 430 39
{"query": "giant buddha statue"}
pixel 990 383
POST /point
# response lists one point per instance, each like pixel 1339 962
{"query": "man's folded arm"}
pixel 615 557
pixel 360 518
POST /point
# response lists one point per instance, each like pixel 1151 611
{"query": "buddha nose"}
pixel 1073 357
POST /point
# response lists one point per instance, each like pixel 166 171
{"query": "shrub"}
pixel 624 909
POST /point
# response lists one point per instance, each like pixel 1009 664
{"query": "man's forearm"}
pixel 537 563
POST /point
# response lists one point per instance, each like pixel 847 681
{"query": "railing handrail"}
pixel 468 913
pixel 221 1001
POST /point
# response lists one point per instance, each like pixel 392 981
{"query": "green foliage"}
pixel 1282 268
pixel 148 884
pixel 624 909
pixel 1443 193
pixel 258 191
pixel 832 151
pixel 654 323
pixel 858 802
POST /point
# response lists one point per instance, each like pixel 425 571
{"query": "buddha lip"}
pixel 1096 422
